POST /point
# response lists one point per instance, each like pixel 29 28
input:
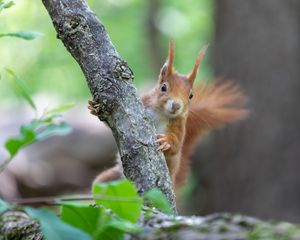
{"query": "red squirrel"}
pixel 181 113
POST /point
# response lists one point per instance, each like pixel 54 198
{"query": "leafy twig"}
pixel 5 163
pixel 60 200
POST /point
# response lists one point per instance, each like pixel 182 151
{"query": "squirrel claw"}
pixel 160 135
pixel 162 140
pixel 164 146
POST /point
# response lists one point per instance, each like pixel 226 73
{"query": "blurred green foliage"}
pixel 48 68
pixel 45 126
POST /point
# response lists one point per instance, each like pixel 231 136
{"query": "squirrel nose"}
pixel 175 106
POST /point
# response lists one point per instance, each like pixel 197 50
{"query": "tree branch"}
pixel 110 81
pixel 16 224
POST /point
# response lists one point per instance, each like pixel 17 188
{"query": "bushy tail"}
pixel 111 174
pixel 212 106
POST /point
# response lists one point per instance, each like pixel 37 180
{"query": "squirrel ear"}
pixel 167 68
pixel 191 76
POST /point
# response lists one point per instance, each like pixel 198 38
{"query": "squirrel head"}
pixel 175 89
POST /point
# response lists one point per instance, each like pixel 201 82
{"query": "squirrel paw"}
pixel 93 107
pixel 162 140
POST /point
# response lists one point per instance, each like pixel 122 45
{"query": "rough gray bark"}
pixel 17 225
pixel 110 81
pixel 253 167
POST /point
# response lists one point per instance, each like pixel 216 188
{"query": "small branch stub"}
pixel 122 70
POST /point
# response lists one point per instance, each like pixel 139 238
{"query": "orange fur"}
pixel 192 76
pixel 109 175
pixel 213 106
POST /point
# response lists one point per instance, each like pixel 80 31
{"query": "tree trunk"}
pixel 155 49
pixel 253 167
pixel 110 81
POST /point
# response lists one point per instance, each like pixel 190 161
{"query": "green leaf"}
pixel 112 228
pixel 36 130
pixel 54 129
pixel 110 234
pixel 27 136
pixel 158 200
pixel 3 206
pixel 97 222
pixel 23 35
pixel 6 4
pixel 80 216
pixel 103 231
pixel 121 197
pixel 21 88
pixel 60 109
pixel 54 228
pixel 125 226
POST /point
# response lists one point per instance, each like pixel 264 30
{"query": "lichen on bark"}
pixel 18 225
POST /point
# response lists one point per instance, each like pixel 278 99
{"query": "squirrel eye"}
pixel 191 95
pixel 163 87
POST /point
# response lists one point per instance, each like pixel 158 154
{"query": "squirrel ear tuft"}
pixel 167 68
pixel 191 76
